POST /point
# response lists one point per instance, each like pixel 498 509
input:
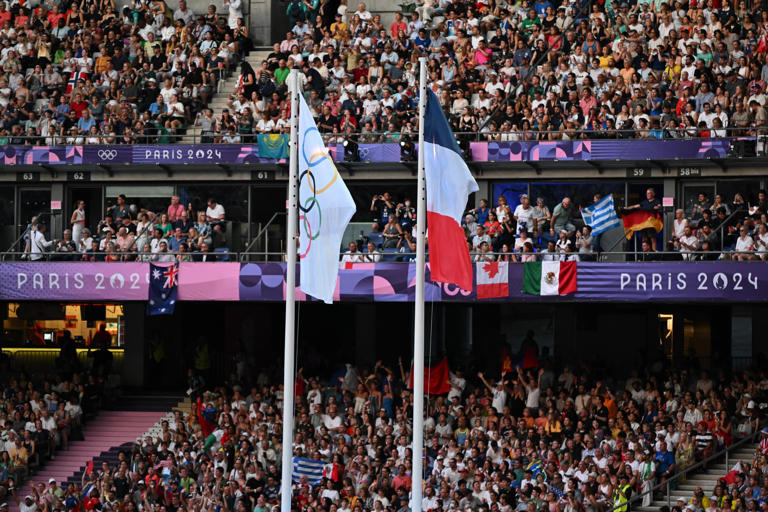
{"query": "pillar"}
pixel 134 360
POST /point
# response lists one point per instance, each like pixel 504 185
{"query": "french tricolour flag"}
pixel 449 184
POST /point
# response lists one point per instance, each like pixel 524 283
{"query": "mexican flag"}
pixel 549 277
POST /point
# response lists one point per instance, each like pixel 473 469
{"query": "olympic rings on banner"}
pixel 315 159
pixel 311 182
pixel 309 244
pixel 307 228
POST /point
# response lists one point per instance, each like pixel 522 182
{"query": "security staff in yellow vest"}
pixel 621 495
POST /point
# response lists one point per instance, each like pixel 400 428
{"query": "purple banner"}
pixel 385 282
pixel 74 281
pixel 673 281
pixel 388 152
pixel 607 149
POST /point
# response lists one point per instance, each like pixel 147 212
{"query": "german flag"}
pixel 638 220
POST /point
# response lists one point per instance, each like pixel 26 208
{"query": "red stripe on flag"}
pixel 448 252
pixel 568 282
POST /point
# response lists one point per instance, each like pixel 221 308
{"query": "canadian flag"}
pixel 492 279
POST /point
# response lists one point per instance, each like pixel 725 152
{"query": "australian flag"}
pixel 163 289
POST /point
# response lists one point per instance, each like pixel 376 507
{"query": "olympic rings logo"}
pixel 107 154
pixel 312 202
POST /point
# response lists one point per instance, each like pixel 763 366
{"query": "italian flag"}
pixel 549 277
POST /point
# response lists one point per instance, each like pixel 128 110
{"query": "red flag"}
pixel 89 467
pixel 436 378
pixel 506 361
pixel 206 425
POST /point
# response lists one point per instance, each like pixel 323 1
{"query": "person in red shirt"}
pixel 78 106
pixel 175 209
pixel 397 26
pixel 5 15
pixel 402 479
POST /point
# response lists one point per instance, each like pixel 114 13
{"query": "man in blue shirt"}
pixel 176 240
pixel 665 461
pixel 85 123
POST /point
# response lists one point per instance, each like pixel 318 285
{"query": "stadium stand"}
pixel 94 74
pixel 543 437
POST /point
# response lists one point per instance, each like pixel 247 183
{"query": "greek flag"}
pixel 601 216
pixel 312 469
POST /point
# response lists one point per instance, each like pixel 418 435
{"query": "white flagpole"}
pixel 290 296
pixel 418 323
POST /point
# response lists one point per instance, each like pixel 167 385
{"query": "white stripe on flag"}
pixel 312 469
pixel 601 216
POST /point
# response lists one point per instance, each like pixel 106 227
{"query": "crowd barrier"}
pixel 385 282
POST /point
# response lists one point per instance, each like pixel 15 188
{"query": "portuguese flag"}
pixel 638 220
pixel 549 277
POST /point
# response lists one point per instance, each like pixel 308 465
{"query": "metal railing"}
pixel 669 482
pixel 386 256
pixel 190 134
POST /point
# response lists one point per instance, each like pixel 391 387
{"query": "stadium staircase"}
pixel 220 100
pixel 105 435
pixel 706 479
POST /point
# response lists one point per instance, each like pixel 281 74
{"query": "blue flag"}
pixel 163 289
pixel 601 216
pixel 310 468
pixel 273 145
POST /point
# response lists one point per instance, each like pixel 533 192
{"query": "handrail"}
pixel 658 256
pixel 723 224
pixel 194 136
pixel 667 483
pixel 263 230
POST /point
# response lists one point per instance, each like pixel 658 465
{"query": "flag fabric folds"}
pixel 638 220
pixel 273 145
pixel 449 184
pixel 163 289
pixel 492 279
pixel 310 468
pixel 601 216
pixel 549 278
pixel 436 378
pixel 325 209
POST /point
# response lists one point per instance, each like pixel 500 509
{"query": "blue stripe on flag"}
pixel 312 469
pixel 436 128
pixel 601 216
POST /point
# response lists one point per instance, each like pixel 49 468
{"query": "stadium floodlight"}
pixel 407 150
pixel 351 151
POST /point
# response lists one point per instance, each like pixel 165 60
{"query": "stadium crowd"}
pixel 191 232
pixel 91 71
pixel 40 414
pixel 95 72
pixel 523 71
pixel 541 437
pixel 709 229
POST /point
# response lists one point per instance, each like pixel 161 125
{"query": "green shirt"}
pixel 281 74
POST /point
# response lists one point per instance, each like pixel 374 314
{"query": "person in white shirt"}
pixel 523 213
pixel 679 223
pixel 38 245
pixel 745 246
pixel 352 255
pixel 688 244
pixel 215 211
pixel 372 255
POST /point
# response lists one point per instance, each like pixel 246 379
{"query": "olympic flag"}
pixel 325 209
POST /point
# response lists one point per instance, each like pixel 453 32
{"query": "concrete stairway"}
pixel 105 435
pixel 220 100
pixel 707 479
